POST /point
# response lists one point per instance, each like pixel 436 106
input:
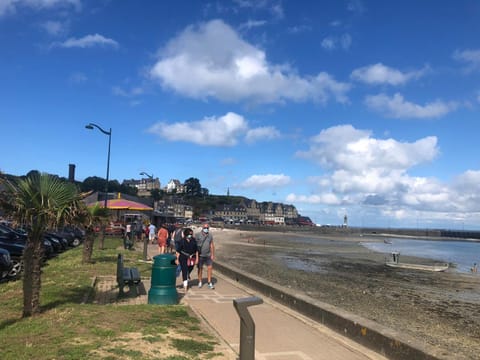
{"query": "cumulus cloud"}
pixel 11 6
pixel 324 199
pixel 225 130
pixel 265 181
pixel 212 60
pixel 381 74
pixel 361 169
pixel 88 41
pixel 397 107
pixel 470 57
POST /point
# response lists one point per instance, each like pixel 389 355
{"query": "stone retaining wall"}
pixel 388 342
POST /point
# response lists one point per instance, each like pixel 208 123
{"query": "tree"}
pixel 40 202
pixel 90 218
pixel 192 187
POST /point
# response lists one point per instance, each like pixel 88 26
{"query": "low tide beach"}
pixel 441 309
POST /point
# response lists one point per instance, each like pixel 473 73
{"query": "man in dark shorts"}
pixel 206 251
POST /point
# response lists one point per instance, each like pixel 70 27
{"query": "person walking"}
pixel 186 255
pixel 176 236
pixel 127 242
pixel 206 250
pixel 162 239
pixel 152 230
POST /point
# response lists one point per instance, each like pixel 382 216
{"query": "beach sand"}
pixel 441 309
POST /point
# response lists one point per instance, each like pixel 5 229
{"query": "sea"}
pixel 461 253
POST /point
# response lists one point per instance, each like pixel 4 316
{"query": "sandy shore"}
pixel 441 309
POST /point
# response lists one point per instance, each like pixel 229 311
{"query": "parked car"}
pixel 6 263
pixel 16 252
pixel 73 235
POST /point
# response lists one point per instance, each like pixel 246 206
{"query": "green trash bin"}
pixel 162 290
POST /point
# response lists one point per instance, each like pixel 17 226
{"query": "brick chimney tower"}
pixel 71 172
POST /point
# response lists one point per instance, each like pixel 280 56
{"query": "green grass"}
pixel 68 329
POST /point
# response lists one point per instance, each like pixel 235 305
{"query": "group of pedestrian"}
pixel 197 250
pixel 190 249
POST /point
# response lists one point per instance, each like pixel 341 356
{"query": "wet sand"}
pixel 441 309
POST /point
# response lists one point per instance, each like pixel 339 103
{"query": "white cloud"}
pixel 328 43
pixel 250 24
pixel 333 42
pixel 381 74
pixel 470 57
pixel 362 169
pixel 397 107
pixel 54 28
pixel 88 41
pixel 135 91
pixel 265 181
pixel 226 130
pixel 212 60
pixel 11 6
pixel 262 133
pixel 324 199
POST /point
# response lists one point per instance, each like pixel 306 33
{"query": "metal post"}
pixel 90 126
pixel 247 326
pixel 145 240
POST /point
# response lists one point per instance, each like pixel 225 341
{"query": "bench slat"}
pixel 135 275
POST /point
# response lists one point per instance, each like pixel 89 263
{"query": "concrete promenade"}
pixel 281 334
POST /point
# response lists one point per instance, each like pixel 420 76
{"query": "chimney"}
pixel 71 172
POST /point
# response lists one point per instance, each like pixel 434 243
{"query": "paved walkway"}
pixel 280 333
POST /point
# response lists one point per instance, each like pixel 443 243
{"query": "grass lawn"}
pixel 68 329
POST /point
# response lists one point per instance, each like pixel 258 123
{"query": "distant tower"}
pixel 228 191
pixel 345 221
pixel 71 172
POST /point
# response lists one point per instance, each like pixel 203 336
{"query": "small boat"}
pixel 435 267
pixel 387 241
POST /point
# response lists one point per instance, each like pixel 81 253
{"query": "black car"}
pixel 57 241
pixel 6 263
pixel 73 234
pixel 16 253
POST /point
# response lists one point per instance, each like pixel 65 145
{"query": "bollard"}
pixel 247 326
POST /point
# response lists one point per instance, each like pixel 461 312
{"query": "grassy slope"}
pixel 67 329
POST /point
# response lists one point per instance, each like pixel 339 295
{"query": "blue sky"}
pixel 363 108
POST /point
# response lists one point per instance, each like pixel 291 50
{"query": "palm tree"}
pixel 90 217
pixel 39 202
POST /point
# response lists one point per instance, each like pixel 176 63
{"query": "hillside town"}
pixel 181 202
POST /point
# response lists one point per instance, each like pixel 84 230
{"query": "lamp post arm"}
pixel 109 133
pixel 108 163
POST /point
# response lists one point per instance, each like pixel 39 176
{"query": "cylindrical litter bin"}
pixel 162 290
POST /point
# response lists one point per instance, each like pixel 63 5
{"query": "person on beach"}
pixel 206 249
pixel 474 268
pixel 187 255
pixel 162 239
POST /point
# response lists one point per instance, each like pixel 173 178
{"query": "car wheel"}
pixel 16 269
pixel 76 242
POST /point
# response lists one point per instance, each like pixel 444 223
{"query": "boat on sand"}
pixel 434 267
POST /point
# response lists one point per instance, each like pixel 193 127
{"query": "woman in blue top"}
pixel 187 255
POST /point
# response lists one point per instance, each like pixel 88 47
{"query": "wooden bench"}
pixel 127 276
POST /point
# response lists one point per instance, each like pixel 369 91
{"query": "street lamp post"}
pixel 91 126
pixel 145 242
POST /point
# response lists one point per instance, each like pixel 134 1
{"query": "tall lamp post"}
pixel 91 126
pixel 145 242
